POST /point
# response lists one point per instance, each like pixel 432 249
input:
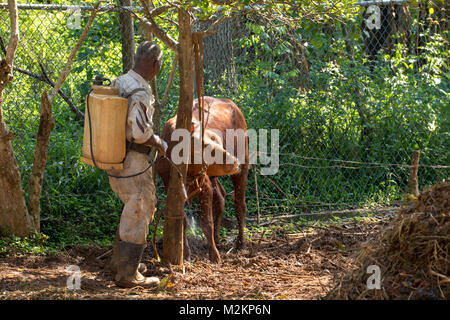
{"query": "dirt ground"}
pixel 302 265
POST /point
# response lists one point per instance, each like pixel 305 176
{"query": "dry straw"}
pixel 412 253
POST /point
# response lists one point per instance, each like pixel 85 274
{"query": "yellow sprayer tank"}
pixel 108 113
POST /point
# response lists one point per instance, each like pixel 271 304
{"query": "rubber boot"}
pixel 113 263
pixel 128 257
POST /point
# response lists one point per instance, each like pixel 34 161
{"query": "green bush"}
pixel 330 158
pixel 15 246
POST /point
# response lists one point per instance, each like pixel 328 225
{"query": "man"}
pixel 137 193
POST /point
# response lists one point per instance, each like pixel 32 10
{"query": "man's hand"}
pixel 156 141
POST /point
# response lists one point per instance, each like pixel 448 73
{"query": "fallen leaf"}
pixel 339 245
pixel 164 282
pixel 412 197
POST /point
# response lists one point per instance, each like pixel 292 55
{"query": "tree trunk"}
pixel 127 32
pixel 35 181
pixel 218 55
pixel 403 24
pixel 14 216
pixel 174 218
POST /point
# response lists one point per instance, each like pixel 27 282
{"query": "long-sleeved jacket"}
pixel 140 106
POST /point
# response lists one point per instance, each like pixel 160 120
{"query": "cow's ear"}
pixel 192 127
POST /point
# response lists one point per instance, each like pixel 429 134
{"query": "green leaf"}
pixel 339 245
pixel 164 282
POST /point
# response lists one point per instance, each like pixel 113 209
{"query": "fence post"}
pixel 127 34
pixel 413 180
pixel 257 196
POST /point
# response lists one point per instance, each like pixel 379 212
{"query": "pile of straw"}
pixel 412 254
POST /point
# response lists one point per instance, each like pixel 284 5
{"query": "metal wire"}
pixel 62 7
pixel 315 172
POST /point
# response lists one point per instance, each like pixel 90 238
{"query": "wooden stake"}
pixel 413 181
pixel 257 196
pixel 173 222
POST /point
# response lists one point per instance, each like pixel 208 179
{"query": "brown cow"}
pixel 219 115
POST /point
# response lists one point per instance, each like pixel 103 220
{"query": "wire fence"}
pixel 340 146
pixel 348 143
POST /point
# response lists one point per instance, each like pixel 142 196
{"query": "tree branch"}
pixel 160 104
pixel 159 10
pixel 66 70
pixel 45 78
pixel 170 81
pixel 46 125
pixel 14 39
pixel 212 29
pixel 6 64
pixel 223 2
pixel 79 115
pixel 156 29
pixel 173 22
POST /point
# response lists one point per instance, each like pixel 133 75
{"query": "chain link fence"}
pixel 347 138
pixel 47 35
pixel 342 144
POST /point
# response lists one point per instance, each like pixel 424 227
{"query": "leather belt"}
pixel 141 148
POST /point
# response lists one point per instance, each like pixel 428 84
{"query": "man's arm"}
pixel 141 116
pixel 139 119
pixel 156 141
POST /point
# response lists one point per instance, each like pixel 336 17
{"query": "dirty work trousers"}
pixel 137 194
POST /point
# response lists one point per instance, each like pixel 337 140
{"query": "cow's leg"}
pixel 218 206
pixel 240 184
pixel 206 219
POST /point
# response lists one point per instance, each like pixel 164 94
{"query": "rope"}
pixel 199 186
pixel 198 54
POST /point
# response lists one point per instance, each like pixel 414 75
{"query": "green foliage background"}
pixel 326 161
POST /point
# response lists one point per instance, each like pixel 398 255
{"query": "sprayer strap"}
pixel 126 96
pixel 141 148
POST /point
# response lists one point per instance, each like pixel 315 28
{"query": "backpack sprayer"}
pixel 104 129
pixel 104 140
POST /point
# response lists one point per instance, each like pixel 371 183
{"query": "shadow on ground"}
pixel 302 265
